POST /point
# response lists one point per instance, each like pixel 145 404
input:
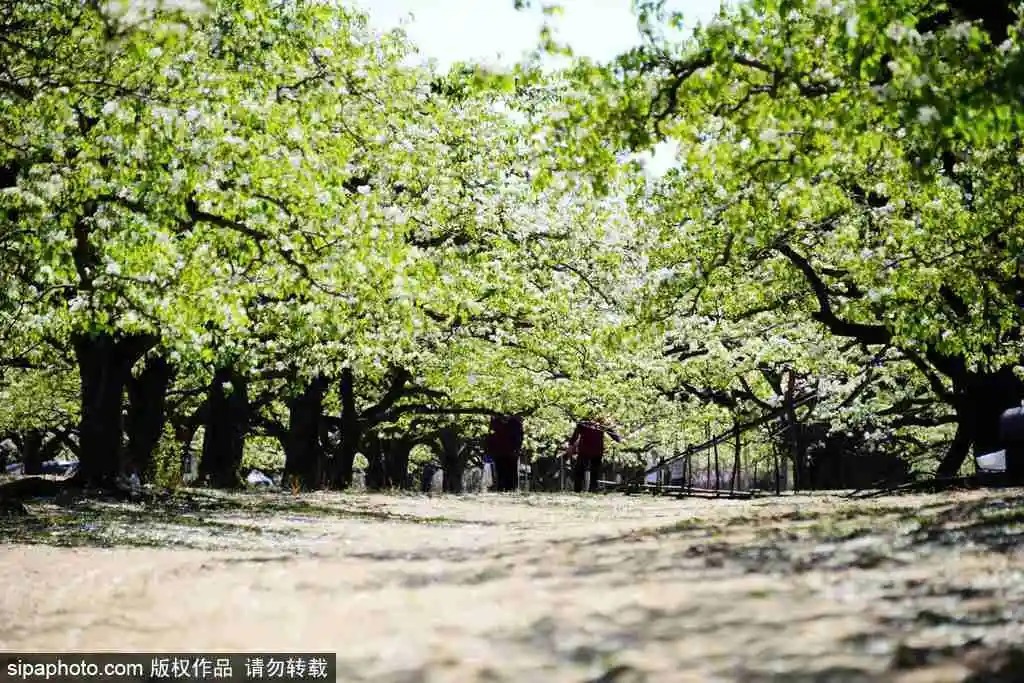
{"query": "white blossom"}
pixel 960 30
pixel 851 25
pixel 927 114
pixel 896 32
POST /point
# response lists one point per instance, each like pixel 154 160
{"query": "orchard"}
pixel 246 230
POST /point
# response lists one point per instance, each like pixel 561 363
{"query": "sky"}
pixel 494 32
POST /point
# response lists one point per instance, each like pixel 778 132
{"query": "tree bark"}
pixel 979 402
pixel 304 454
pixel 32 452
pixel 350 432
pixel 397 463
pixel 452 461
pixel 718 469
pixel 734 478
pixel 389 462
pixel 226 426
pixel 798 444
pixel 376 468
pixel 147 412
pixel 104 366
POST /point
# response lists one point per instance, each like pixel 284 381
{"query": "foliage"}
pixel 38 399
pixel 166 465
pixel 829 188
pixel 262 453
pixel 271 188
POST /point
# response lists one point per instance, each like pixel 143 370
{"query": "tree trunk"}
pixel 226 426
pixel 32 452
pixel 147 403
pixel 397 463
pixel 734 478
pixel 376 469
pixel 718 469
pixel 979 403
pixel 798 443
pixel 778 468
pixel 350 432
pixel 303 451
pixel 452 461
pixel 104 366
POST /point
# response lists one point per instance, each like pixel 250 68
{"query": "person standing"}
pixel 503 445
pixel 587 442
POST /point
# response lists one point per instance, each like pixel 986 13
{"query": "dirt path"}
pixel 539 588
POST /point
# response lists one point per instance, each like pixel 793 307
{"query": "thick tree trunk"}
pixel 32 452
pixel 798 444
pixel 226 426
pixel 104 366
pixel 452 461
pixel 303 451
pixel 376 470
pixel 397 463
pixel 147 406
pixel 350 432
pixel 980 402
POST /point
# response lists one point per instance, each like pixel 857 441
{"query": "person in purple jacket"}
pixel 503 444
pixel 587 441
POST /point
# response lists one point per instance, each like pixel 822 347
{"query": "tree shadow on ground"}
pixel 93 524
pixel 993 524
pixel 842 542
pixel 191 519
pixel 838 540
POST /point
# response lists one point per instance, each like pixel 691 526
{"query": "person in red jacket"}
pixel 587 441
pixel 503 445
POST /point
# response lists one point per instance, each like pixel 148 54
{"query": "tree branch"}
pixel 868 334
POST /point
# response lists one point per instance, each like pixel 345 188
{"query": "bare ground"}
pixel 537 587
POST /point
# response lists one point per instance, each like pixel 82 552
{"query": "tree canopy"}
pixel 261 220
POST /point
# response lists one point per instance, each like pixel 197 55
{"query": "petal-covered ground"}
pixel 537 587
